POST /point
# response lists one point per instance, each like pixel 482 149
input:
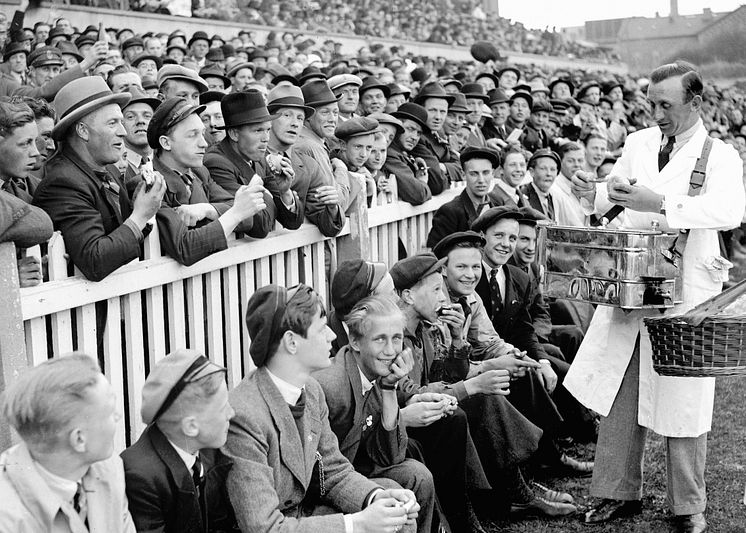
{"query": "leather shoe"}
pixel 540 506
pixel 612 509
pixel 553 495
pixel 694 523
pixel 573 467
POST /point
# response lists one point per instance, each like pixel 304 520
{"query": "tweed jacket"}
pixel 356 419
pixel 513 322
pixel 161 492
pixel 456 215
pixel 274 485
pixel 75 199
pixel 498 196
pixel 22 223
pixel 401 164
pixel 30 506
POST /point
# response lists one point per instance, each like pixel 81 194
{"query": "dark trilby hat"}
pixel 317 93
pixel 245 107
pixel 407 272
pixel 561 80
pixel 523 88
pixel 584 88
pixel 56 32
pixel 311 72
pixel 525 96
pixel 214 71
pixel 493 215
pixel 170 113
pixel 371 82
pixel 459 104
pixel 475 90
pixel 489 75
pixel 474 152
pixel 412 111
pixel 448 243
pixel 198 36
pixel 215 55
pixel 433 90
pixel 84 40
pixel 288 96
pixel 544 152
pixel 509 69
pixel 610 85
pixel 132 41
pixel 497 96
pixel 14 48
pixel 139 96
pixel 211 96
pixel 354 280
pixel 396 88
pixel 145 56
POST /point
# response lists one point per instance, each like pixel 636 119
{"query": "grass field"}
pixel 726 476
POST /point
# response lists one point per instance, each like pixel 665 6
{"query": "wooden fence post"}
pixel 12 339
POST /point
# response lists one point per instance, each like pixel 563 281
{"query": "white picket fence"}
pixel 156 305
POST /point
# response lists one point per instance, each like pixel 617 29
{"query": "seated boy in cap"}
pixel 175 476
pixel 62 476
pixel 360 389
pixel 435 332
pixel 288 470
pixel 207 212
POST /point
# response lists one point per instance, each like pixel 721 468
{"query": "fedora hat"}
pixel 311 72
pixel 144 56
pixel 371 82
pixel 509 68
pixel 177 72
pixel 497 96
pixel 475 90
pixel 489 75
pixel 287 96
pixel 198 36
pixel 68 48
pixel 238 65
pixel 214 71
pixel 434 90
pixel 81 97
pixel 14 48
pixel 412 111
pixel 459 104
pixel 317 93
pixel 245 107
pixel 566 81
pixel 139 96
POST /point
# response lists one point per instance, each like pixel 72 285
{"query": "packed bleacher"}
pixel 445 402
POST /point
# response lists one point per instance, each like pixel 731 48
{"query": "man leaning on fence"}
pixel 62 476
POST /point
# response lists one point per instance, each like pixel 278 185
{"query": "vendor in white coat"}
pixel 613 371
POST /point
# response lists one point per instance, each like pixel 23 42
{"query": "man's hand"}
pixel 400 367
pixel 548 376
pixel 192 214
pixel 283 173
pixel 249 200
pixel 582 185
pixel 405 498
pixel 453 317
pixel 626 193
pixel 384 515
pixel 147 201
pixel 385 183
pixel 327 195
pixel 29 271
pixel 516 365
pixel 94 54
pixel 495 382
pixel 421 172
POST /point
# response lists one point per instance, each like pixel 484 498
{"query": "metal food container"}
pixel 618 267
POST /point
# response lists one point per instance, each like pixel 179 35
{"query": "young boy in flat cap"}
pixel 175 479
pixel 288 473
pixel 360 389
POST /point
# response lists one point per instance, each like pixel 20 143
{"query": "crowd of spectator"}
pixel 102 136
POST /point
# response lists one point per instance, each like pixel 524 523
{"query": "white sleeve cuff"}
pixel 348 523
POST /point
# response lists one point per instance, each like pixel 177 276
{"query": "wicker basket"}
pixel 704 342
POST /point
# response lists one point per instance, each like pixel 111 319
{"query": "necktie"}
pixel 665 154
pixel 497 298
pixel 550 207
pixel 199 485
pixel 297 411
pixel 111 190
pixel 80 503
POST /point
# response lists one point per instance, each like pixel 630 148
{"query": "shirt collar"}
pixel 187 457
pixel 512 191
pixel 290 393
pixel 684 137
pixel 132 157
pixel 64 488
pixel 365 382
pixel 538 192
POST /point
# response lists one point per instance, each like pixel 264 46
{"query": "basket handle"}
pixel 715 304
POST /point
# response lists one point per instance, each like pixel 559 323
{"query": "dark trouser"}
pixel 620 453
pixel 415 476
pixel 567 339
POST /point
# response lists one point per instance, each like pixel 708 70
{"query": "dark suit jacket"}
pixel 500 197
pixel 273 484
pixel 231 171
pixel 453 216
pixel 429 149
pixel 74 197
pixel 539 308
pixel 161 493
pixel 22 223
pixel 513 323
pixel 401 164
pixel 533 139
pixel 356 420
pixel 533 198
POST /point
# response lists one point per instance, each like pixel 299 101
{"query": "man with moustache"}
pixel 443 165
pixel 479 166
pixel 212 117
pixel 543 166
pixel 373 96
pixel 346 87
pixel 315 191
pixel 237 159
pixel 86 201
pixel 174 473
pixel 507 187
pixel 412 178
pixel 198 215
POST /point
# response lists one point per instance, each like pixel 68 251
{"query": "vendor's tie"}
pixel 665 154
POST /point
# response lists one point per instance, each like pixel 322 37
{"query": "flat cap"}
pixel 45 55
pixel 168 115
pixel 541 105
pixel 475 152
pixel 340 80
pixel 355 127
pixel 544 152
pixel 521 94
pixel 168 378
pixel 409 271
pixel 353 281
pixel 177 72
pixel 449 242
pixel 531 216
pixel 385 118
pixel 132 41
pixel 493 215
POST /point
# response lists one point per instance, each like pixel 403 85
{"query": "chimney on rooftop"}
pixel 674 8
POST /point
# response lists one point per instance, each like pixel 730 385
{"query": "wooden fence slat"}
pixel 177 335
pixel 36 340
pixel 231 310
pixel 114 366
pixel 195 313
pixel 86 325
pixel 214 317
pixel 132 315
pixel 306 258
pixel 248 286
pixel 292 268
